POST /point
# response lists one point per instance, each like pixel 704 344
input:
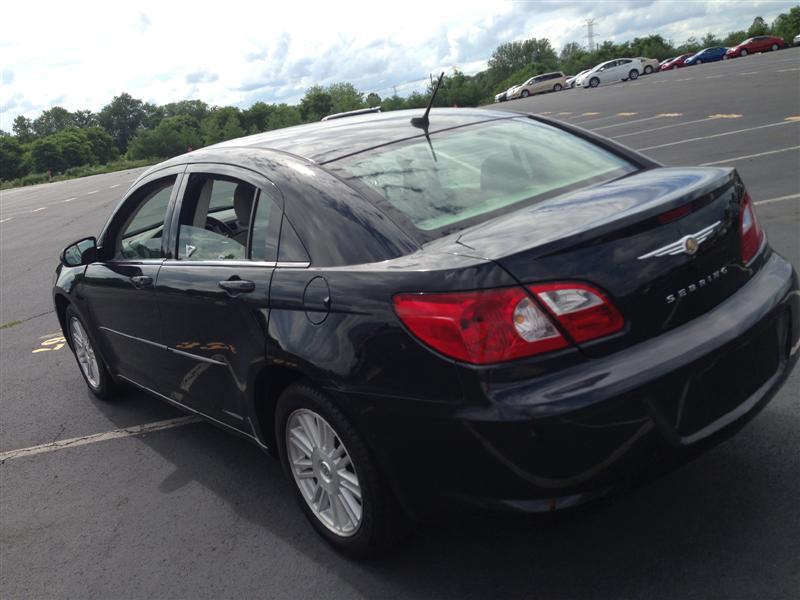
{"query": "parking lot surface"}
pixel 183 510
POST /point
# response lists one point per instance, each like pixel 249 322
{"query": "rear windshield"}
pixel 471 174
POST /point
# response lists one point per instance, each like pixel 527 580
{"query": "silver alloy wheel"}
pixel 323 472
pixel 85 353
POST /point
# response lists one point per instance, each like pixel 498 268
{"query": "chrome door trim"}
pixel 167 348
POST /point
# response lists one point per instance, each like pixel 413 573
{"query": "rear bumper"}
pixel 558 440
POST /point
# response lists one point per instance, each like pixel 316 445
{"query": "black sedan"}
pixel 495 309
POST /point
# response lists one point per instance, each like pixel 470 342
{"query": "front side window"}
pixel 141 233
pixel 222 218
pixel 470 174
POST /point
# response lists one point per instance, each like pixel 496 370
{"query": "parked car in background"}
pixel 611 71
pixel 665 61
pixel 676 63
pixel 706 55
pixel 796 40
pixel 759 43
pixel 649 65
pixel 571 80
pixel 504 95
pixel 547 82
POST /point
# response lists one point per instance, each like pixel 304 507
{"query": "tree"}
pixel 256 118
pixel 75 149
pixel 52 121
pixel 101 144
pixel 46 155
pixel 84 118
pixel 121 118
pixel 758 27
pixel 734 38
pixel 373 100
pixel 513 56
pixel 284 115
pixel 787 26
pixel 344 97
pixel 316 103
pixel 23 129
pixel 10 157
pixel 710 40
pixel 172 136
pixel 222 123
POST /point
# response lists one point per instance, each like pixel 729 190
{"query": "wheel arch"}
pixel 268 386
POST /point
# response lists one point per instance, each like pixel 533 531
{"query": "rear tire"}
pixel 90 362
pixel 594 82
pixel 338 484
pixel 648 69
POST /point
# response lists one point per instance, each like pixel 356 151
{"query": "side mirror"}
pixel 80 253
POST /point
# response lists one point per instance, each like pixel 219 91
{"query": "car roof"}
pixel 325 141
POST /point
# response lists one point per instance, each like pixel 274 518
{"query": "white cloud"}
pixel 238 52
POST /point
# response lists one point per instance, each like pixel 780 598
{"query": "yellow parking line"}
pixel 669 115
pixel 724 116
pixel 793 118
pixel 565 113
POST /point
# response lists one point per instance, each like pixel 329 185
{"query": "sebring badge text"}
pixel 697 285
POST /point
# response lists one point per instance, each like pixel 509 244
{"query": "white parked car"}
pixel 649 65
pixel 611 71
pixel 503 96
pixel 571 80
pixel 796 40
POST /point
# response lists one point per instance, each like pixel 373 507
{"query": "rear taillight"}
pixel 491 326
pixel 583 311
pixel 751 234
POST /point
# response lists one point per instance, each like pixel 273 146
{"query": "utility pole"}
pixel 590 34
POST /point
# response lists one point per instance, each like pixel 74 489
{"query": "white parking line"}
pixel 92 192
pixel 664 127
pixel 660 116
pixel 4 220
pixel 716 135
pixel 38 209
pixel 787 70
pixel 713 76
pixel 113 186
pixel 727 160
pixel 779 199
pixel 68 200
pixel 749 73
pixel 98 437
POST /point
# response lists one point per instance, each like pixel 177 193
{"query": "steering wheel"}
pixel 217 226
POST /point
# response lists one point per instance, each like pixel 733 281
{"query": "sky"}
pixel 80 54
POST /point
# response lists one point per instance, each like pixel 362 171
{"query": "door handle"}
pixel 141 281
pixel 237 286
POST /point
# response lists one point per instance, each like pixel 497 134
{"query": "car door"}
pixel 213 290
pixel 609 72
pixel 119 288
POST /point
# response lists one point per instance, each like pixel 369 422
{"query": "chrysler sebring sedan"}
pixel 492 308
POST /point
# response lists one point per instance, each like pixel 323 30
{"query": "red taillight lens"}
pixel 584 312
pixel 492 326
pixel 749 229
pixel 481 327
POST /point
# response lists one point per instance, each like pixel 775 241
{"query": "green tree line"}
pixel 59 140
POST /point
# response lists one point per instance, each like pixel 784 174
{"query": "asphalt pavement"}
pixel 189 511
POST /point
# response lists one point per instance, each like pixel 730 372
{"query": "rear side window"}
pixel 470 174
pixel 223 218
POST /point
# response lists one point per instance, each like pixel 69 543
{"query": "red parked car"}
pixel 759 43
pixel 676 63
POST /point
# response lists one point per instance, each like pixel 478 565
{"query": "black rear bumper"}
pixel 558 440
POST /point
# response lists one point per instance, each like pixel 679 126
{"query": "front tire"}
pixel 90 362
pixel 525 93
pixel 743 52
pixel 775 47
pixel 594 82
pixel 337 483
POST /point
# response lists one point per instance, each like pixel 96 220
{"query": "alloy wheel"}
pixel 85 353
pixel 324 472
